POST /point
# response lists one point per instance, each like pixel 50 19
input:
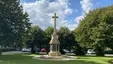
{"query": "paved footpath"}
pixel 13 52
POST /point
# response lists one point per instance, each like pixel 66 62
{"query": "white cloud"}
pixel 86 6
pixel 68 11
pixel 72 26
pixel 41 11
pixel 77 19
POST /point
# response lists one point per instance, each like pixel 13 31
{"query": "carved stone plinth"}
pixel 54 54
pixel 54 46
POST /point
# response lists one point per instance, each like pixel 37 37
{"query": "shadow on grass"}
pixel 26 59
pixel 111 61
pixel 86 57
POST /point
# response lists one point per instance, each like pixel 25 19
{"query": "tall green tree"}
pixel 49 32
pixel 66 38
pixel 63 32
pixel 14 23
pixel 95 30
pixel 38 38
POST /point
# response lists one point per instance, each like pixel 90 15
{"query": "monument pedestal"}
pixel 54 46
pixel 54 54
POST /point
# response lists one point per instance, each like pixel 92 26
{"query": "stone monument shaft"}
pixel 55 21
pixel 54 43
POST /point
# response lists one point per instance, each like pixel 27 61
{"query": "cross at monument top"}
pixel 54 16
pixel 55 21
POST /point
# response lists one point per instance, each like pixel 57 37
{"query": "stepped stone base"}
pixel 54 54
pixel 57 58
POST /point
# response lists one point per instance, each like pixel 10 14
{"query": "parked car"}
pixel 38 50
pixel 26 49
pixel 43 50
pixel 65 50
pixel 91 51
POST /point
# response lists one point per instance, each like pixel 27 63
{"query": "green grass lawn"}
pixel 27 59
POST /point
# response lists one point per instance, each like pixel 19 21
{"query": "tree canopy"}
pixel 96 29
pixel 66 38
pixel 49 32
pixel 14 22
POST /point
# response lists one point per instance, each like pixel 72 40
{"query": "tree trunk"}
pixel 99 51
pixel 112 48
pixel 33 51
pixel 0 52
pixel 80 51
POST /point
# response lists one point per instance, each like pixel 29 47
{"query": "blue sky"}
pixel 69 11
